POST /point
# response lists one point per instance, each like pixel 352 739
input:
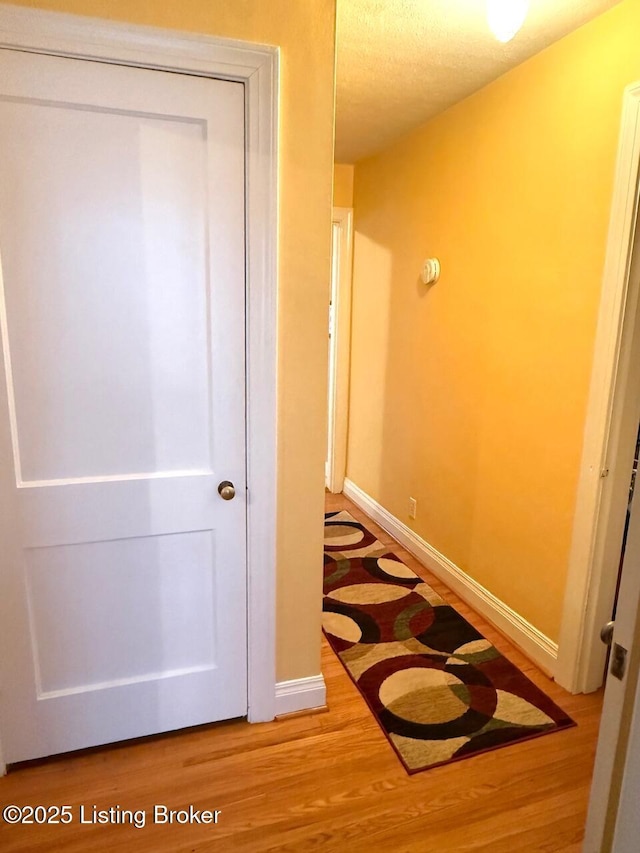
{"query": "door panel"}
pixel 130 578
pixel 123 606
pixel 92 182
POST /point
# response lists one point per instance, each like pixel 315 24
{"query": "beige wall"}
pixel 470 396
pixel 343 185
pixel 305 33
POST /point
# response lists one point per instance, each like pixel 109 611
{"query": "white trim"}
pixel 37 31
pixel 612 408
pixel 539 648
pixel 257 67
pixel 262 368
pixel 339 350
pixel 300 694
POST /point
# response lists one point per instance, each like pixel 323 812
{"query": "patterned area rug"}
pixel 438 689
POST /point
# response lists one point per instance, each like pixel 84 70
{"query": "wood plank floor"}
pixel 325 782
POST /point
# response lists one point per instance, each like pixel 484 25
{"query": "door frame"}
pixel 610 430
pixel 339 350
pixel 257 67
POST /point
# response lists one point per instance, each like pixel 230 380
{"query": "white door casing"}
pixel 339 347
pixel 610 430
pixel 256 68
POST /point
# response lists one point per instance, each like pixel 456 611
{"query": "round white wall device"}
pixel 431 271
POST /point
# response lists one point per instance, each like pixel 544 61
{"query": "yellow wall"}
pixel 471 396
pixel 343 185
pixel 305 33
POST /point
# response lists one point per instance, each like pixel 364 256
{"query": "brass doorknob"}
pixel 227 490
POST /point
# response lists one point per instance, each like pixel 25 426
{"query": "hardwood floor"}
pixel 324 782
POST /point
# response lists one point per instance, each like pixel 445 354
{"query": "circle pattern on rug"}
pixel 424 695
pixel 369 593
pixel 341 626
pixel 394 568
pixel 343 535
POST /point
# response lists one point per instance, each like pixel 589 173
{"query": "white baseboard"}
pixel 301 694
pixel 538 647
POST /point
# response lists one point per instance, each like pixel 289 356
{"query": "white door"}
pixel 122 570
pixel 613 821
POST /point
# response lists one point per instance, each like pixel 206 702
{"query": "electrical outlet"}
pixel 413 507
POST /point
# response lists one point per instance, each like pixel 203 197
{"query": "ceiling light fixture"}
pixel 505 17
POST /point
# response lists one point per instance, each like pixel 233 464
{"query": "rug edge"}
pixel 570 723
pixel 567 723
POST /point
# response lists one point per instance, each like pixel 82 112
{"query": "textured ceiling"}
pixel 400 62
